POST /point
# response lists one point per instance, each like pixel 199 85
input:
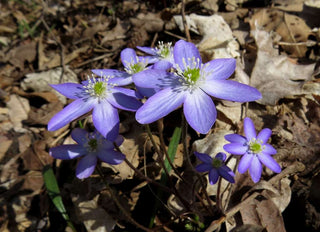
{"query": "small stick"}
pixel 185 25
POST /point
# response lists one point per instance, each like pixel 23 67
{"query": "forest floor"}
pixel 276 45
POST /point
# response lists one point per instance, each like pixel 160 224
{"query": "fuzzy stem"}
pixel 115 199
pixel 161 162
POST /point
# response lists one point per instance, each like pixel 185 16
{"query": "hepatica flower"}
pixel 98 95
pixel 91 147
pixel 132 65
pixel 215 166
pixel 255 150
pixel 192 84
pixel 161 56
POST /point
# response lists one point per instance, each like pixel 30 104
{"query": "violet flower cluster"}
pixel 169 77
pixel 91 147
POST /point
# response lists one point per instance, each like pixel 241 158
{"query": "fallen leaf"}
pixel 274 75
pixel 40 82
pixel 18 111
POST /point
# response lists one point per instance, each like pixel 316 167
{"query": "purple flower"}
pixel 255 150
pixel 191 85
pixel 98 95
pixel 91 147
pixel 161 56
pixel 215 166
pixel 132 65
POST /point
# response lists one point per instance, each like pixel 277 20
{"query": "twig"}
pixel 185 24
pixel 292 169
pixel 174 35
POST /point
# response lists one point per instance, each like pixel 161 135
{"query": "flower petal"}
pixel 200 111
pixel 269 162
pixel 122 98
pixel 79 135
pixel 111 157
pixel 109 73
pixel 220 69
pixel 255 169
pixel 184 52
pixel 70 90
pixel 71 112
pixel 106 120
pixel 235 138
pixel 148 92
pixel 213 176
pixel 120 78
pixel 162 64
pixel 231 90
pixel 159 105
pixel 264 135
pixel 249 129
pixel 235 148
pixel 204 167
pixel 204 157
pixel 128 56
pixel 66 152
pixel 86 166
pixel 268 149
pixel 155 78
pixel 148 50
pixel 221 156
pixel 226 173
pixel 149 59
pixel 245 162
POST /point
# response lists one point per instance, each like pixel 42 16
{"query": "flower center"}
pixel 93 144
pixel 217 163
pixel 98 87
pixel 191 75
pixel 255 146
pixel 137 67
pixel 164 49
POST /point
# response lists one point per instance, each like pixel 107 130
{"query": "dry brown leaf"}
pixel 291 28
pixel 18 111
pixel 274 75
pixel 5 144
pixel 22 53
pixel 94 217
pixel 40 82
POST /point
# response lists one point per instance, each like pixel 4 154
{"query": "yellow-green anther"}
pixel 192 75
pixel 93 144
pixel 99 88
pixel 255 147
pixel 137 67
pixel 217 163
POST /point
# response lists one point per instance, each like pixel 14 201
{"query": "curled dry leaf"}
pixel 274 75
pixel 291 28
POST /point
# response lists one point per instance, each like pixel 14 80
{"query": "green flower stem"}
pixel 115 198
